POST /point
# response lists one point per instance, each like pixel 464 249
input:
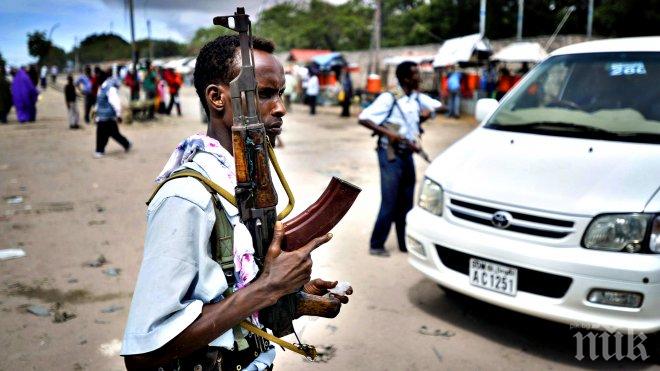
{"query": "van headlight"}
pixel 431 197
pixel 654 241
pixel 618 232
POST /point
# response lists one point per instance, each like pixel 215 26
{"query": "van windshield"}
pixel 607 96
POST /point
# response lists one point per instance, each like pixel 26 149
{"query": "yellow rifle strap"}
pixel 285 184
pixel 194 174
pixel 311 353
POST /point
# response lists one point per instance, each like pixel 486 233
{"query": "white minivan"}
pixel 551 207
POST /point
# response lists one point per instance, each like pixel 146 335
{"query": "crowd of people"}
pixel 99 90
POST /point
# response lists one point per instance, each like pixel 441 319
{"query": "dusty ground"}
pixel 76 208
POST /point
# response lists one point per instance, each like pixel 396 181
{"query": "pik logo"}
pixel 501 219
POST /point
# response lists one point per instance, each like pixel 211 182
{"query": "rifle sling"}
pixel 194 174
pixel 304 350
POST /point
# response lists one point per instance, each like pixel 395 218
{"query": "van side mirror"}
pixel 484 108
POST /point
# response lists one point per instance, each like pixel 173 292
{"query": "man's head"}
pixel 88 70
pixel 218 63
pixel 408 75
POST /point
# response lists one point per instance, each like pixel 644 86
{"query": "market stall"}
pixel 463 54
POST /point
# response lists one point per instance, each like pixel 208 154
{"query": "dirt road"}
pixel 72 209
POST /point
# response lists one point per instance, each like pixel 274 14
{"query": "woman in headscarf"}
pixel 25 97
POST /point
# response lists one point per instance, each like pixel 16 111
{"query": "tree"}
pixel 162 48
pixel 318 25
pixel 627 18
pixel 38 45
pixel 204 35
pixel 103 47
pixel 56 56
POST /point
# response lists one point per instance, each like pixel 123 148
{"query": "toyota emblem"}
pixel 501 219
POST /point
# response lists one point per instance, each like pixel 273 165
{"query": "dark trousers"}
pixel 312 104
pixel 90 100
pixel 454 109
pixel 174 99
pixel 397 187
pixel 346 107
pixel 3 115
pixel 106 130
pixel 151 95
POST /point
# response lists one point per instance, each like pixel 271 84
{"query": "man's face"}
pixel 414 78
pixel 270 87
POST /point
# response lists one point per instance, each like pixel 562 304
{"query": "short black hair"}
pixel 404 70
pixel 215 62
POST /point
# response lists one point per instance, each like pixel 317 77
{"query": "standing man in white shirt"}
pixel 312 91
pixel 183 317
pixel 108 114
pixel 397 168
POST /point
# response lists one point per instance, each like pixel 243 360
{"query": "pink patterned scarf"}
pixel 245 267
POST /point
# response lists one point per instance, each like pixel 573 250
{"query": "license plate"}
pixel 495 277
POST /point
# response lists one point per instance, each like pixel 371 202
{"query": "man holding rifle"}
pixel 182 316
pixel 396 121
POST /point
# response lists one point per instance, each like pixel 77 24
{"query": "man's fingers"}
pixel 278 233
pixel 318 241
pixel 323 284
pixel 342 298
pixel 274 249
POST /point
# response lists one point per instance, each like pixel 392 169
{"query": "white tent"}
pixel 396 60
pixel 460 49
pixel 521 52
pixel 182 65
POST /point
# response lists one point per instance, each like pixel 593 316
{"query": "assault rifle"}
pixel 404 144
pixel 256 197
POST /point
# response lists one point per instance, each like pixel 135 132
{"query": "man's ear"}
pixel 216 98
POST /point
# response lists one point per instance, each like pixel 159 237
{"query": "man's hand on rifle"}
pixel 321 287
pixel 425 115
pixel 394 137
pixel 285 272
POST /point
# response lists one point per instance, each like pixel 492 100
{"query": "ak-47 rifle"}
pixel 405 143
pixel 256 197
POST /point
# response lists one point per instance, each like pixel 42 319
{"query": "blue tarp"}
pixel 327 61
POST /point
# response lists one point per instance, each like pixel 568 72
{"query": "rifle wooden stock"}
pixel 321 216
pixel 319 306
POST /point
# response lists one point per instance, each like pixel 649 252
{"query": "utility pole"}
pixel 482 18
pixel 151 44
pixel 76 54
pixel 590 18
pixel 135 93
pixel 521 7
pixel 377 26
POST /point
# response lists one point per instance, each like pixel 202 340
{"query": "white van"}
pixel 551 207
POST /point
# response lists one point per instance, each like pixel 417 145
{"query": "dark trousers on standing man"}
pixel 106 130
pixel 174 99
pixel 151 96
pixel 312 104
pixel 90 101
pixel 397 187
pixel 346 107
